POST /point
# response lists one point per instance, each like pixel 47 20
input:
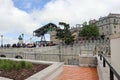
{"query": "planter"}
pixel 49 73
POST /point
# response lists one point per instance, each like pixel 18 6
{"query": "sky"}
pixel 25 16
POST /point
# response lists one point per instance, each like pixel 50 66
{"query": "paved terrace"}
pixel 87 73
pixel 78 73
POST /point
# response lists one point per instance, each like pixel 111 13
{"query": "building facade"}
pixel 73 30
pixel 115 52
pixel 53 37
pixel 109 25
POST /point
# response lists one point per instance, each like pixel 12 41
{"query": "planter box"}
pixel 49 73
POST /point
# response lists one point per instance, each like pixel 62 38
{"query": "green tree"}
pixel 64 34
pixel 90 30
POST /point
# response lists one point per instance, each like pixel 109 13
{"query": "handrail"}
pixel 112 70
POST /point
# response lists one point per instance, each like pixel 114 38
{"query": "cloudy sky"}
pixel 25 16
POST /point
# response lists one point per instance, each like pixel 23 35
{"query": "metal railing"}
pixel 111 69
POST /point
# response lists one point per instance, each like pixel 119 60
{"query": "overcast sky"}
pixel 25 16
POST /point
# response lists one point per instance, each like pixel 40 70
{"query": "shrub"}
pixel 6 65
pixel 9 65
pixel 28 65
pixel 18 66
pixel 22 63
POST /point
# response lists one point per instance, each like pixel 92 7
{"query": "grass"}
pixel 9 65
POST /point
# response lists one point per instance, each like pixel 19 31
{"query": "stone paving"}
pixel 78 73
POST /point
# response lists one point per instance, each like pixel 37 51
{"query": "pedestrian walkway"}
pixel 78 73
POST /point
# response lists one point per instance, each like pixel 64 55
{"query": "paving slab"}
pixel 78 73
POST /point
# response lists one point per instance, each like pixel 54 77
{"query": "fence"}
pixel 111 69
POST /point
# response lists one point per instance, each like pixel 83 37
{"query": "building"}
pixel 73 30
pixel 108 25
pixel 92 21
pixel 115 52
pixel 53 37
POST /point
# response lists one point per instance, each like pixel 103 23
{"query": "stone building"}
pixel 108 25
pixel 74 31
pixel 53 37
pixel 115 52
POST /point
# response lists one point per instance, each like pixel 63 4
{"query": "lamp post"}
pixel 22 36
pixel 1 40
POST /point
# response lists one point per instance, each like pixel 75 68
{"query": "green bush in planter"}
pixel 18 66
pixel 6 65
pixel 9 65
pixel 22 63
pixel 28 65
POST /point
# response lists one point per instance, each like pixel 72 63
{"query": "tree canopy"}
pixel 64 34
pixel 90 30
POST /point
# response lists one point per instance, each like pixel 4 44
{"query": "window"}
pixel 102 33
pixel 114 26
pixel 115 32
pixel 107 27
pixel 102 21
pixel 114 20
pixel 106 20
pixel 117 20
pixel 102 28
pixel 107 32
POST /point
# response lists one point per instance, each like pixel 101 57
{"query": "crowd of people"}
pixel 23 45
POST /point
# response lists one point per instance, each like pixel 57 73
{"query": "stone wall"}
pixel 115 52
pixel 70 55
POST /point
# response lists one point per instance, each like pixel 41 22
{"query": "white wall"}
pixel 115 52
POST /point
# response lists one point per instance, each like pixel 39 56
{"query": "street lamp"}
pixel 1 40
pixel 20 38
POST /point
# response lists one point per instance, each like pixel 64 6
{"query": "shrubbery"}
pixel 9 65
